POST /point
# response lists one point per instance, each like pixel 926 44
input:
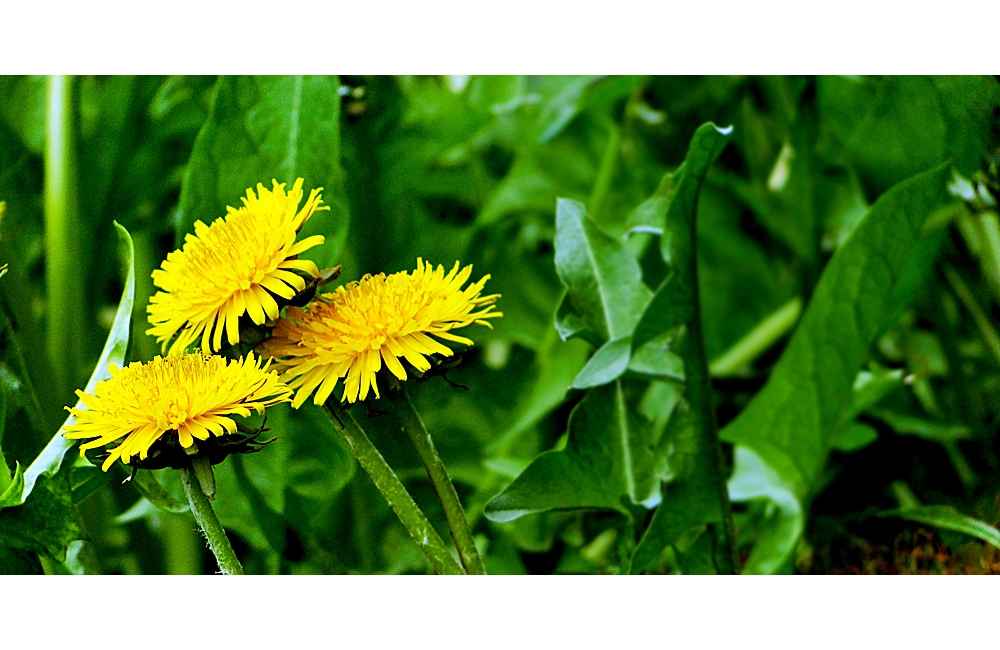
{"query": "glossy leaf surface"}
pixel 789 423
pixel 49 461
pixel 264 128
pixel 607 463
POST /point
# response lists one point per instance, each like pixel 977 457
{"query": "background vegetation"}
pixel 873 448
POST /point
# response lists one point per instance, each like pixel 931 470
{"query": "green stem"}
pixel 63 258
pixel 445 489
pixel 209 522
pixel 981 233
pixel 989 227
pixel 990 336
pixel 965 472
pixel 392 489
pixel 757 341
pixel 904 495
pixel 180 544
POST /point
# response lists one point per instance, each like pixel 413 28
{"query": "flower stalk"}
pixel 206 477
pixel 457 523
pixel 209 523
pixel 64 258
pixel 392 489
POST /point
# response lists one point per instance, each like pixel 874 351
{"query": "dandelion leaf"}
pixel 45 523
pixel 51 458
pixel 261 128
pixel 790 424
pixel 607 463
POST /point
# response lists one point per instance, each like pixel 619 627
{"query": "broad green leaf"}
pixel 569 166
pixel 895 126
pixel 603 281
pixel 779 532
pixel 527 186
pixel 516 269
pixel 571 325
pixel 870 386
pixel 741 282
pixel 657 405
pixel 497 93
pixel 539 176
pixel 656 360
pixel 45 523
pixel 697 558
pixel 947 519
pixel 23 102
pixel 969 104
pixel 691 495
pixel 782 190
pixel 650 215
pixel 557 363
pixel 264 128
pixel 606 464
pixel 11 494
pixel 139 510
pixel 790 422
pixel 267 518
pixel 695 490
pixel 85 479
pixel 677 243
pixel 319 466
pixel 154 493
pixel 670 306
pixel 508 468
pixel 892 127
pixel 19 562
pixel 852 437
pixel 575 94
pixel 115 108
pixel 305 466
pixel 561 106
pixel 50 459
pixel 607 364
pixel 673 303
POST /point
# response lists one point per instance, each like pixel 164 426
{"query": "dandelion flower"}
pixel 351 333
pixel 233 267
pixel 173 400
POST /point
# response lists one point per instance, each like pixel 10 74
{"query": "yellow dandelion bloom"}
pixel 181 397
pixel 380 319
pixel 234 267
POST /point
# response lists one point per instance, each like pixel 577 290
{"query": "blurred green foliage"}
pixel 892 378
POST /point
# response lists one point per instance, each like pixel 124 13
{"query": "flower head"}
pixel 173 400
pixel 233 267
pixel 380 319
